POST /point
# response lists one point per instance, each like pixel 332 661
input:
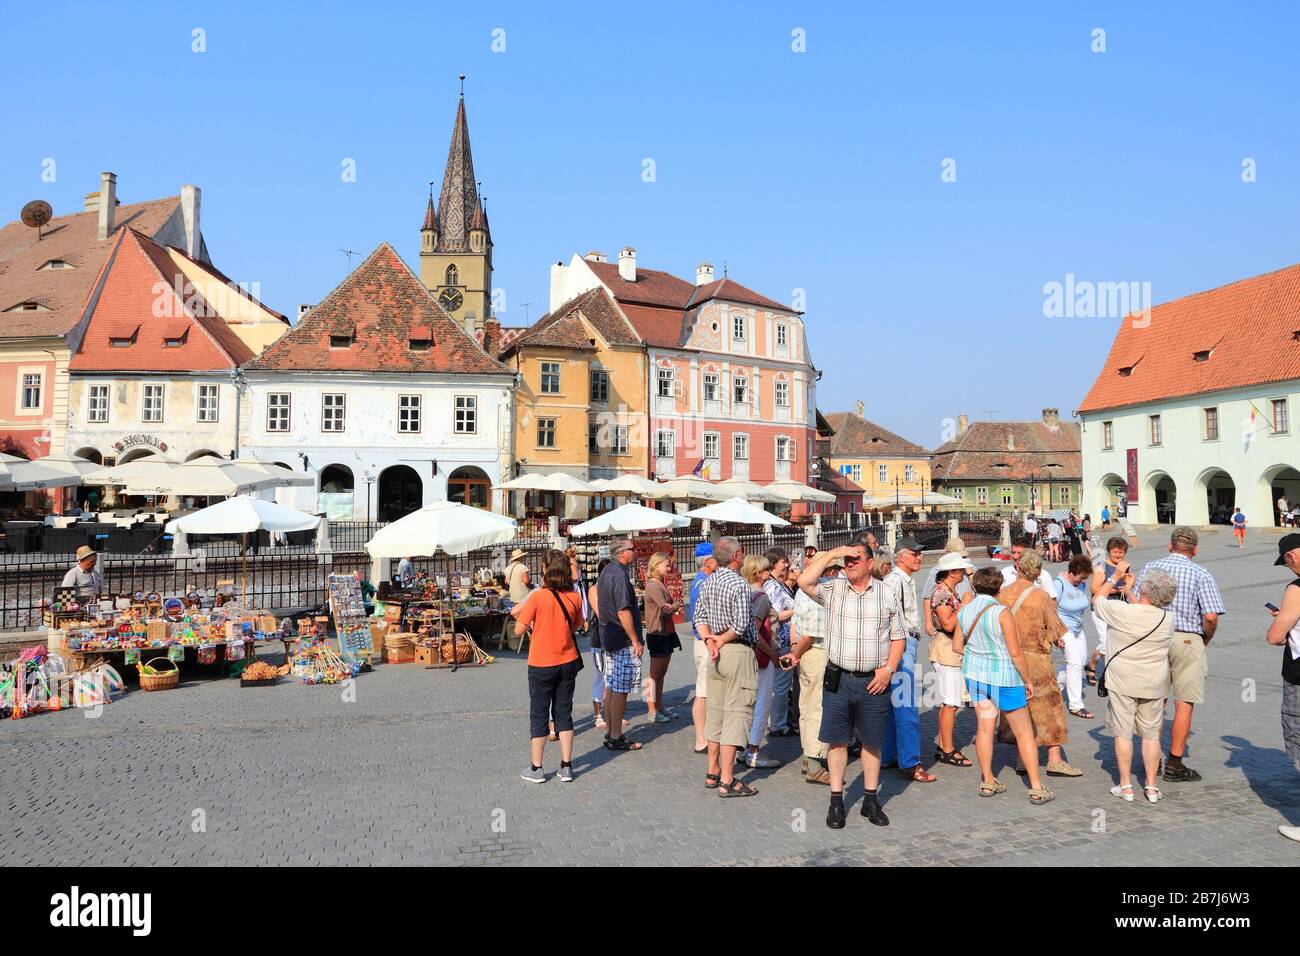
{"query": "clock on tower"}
pixel 451 300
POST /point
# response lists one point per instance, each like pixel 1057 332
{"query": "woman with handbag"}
pixel 1135 683
pixel 555 615
pixel 756 571
pixel 660 632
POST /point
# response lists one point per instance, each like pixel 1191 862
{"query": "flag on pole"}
pixel 700 470
pixel 1248 433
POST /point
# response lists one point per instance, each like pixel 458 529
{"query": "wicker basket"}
pixel 164 681
pixel 464 649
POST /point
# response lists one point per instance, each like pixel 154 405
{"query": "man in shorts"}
pixel 620 639
pixel 705 564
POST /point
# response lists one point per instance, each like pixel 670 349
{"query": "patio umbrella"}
pixel 1058 514
pixel 9 459
pixel 287 476
pixel 630 485
pixel 751 491
pixel 442 526
pixel 910 499
pixel 147 471
pixel 737 511
pixel 798 492
pixel 628 518
pixel 54 471
pixel 527 482
pixel 565 484
pixel 216 477
pixel 683 489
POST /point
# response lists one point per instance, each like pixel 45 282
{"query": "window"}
pixel 959 493
pixel 277 411
pixel 665 443
pixel 209 396
pixel 1154 421
pixel 333 412
pixel 152 408
pixel 909 473
pixel 31 390
pixel 710 386
pixel 782 394
pixel 1202 356
pixel 466 414
pixel 1065 494
pixel 452 276
pixel 599 386
pixel 784 449
pixel 620 439
pixel 593 444
pixel 738 328
pixel 120 343
pixel 712 445
pixel 782 336
pixel 1280 423
pixel 97 407
pixel 56 264
pixel 174 343
pixel 982 496
pixel 341 341
pixel 546 433
pixel 408 413
pixel 740 447
pixel 550 378
pixel 741 389
pixel 1007 493
pixel 419 344
pixel 665 379
pixel 1212 424
pixel 882 473
pixel 1107 435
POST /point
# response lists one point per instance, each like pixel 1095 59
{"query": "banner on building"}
pixel 1132 476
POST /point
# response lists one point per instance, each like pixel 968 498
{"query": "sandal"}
pixel 1040 796
pixel 737 788
pixel 1083 714
pixel 918 773
pixel 622 743
pixel 600 723
pixel 1090 673
pixel 820 775
pixel 1152 794
pixel 992 789
pixel 954 758
pixel 712 780
pixel 1125 792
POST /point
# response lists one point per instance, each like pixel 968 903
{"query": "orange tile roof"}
pixel 74 239
pixel 855 437
pixel 651 287
pixel 127 303
pixel 729 290
pixel 561 327
pixel 1005 451
pixel 381 303
pixel 1250 327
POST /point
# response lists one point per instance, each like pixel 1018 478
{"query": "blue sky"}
pixel 818 170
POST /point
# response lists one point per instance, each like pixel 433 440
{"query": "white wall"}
pixel 180 428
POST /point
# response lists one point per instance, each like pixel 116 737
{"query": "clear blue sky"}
pixel 817 170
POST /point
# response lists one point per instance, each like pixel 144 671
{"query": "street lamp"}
pixel 369 479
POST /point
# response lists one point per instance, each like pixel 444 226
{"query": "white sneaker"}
pixel 1291 833
pixel 565 775
pixel 759 762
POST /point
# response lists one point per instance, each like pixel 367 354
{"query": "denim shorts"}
pixel 853 711
pixel 1004 698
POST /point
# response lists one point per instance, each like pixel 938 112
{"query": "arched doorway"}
pixel 468 485
pixel 90 454
pixel 203 453
pixel 135 454
pixel 1220 498
pixel 1108 494
pixel 1159 503
pixel 400 492
pixel 1278 482
pixel 335 497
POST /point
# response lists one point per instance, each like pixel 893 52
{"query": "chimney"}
pixel 703 273
pixel 190 198
pixel 107 203
pixel 963 423
pixel 303 310
pixel 1011 441
pixel 559 273
pixel 492 337
pixel 859 408
pixel 471 322
pixel 1052 418
pixel 627 264
pixel 595 256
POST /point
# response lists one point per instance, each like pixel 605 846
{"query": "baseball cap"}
pixel 1289 542
pixel 909 544
pixel 704 549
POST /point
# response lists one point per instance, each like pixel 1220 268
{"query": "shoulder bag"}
pixel 568 620
pixel 1101 678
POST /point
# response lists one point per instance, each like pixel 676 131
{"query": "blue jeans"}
pixel 903 732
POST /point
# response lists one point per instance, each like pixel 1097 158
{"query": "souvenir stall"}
pixel 651 532
pixel 39 680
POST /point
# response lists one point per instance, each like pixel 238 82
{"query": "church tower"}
pixel 455 241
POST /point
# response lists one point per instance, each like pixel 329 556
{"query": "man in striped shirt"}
pixel 865 640
pixel 1196 608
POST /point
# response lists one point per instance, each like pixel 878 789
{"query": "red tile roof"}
pixel 729 290
pixel 383 301
pixel 1250 327
pixel 562 327
pixel 994 451
pixel 128 301
pixel 658 327
pixel 650 288
pixel 855 437
pixel 74 239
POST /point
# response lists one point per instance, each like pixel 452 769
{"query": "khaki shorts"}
pixel 1187 668
pixel 1126 716
pixel 701 652
pixel 732 691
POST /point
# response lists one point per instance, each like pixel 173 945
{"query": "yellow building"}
pixel 256 325
pixel 581 400
pixel 876 459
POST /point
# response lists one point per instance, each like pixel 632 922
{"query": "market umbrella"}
pixel 799 492
pixel 149 471
pixel 444 525
pixel 628 518
pixel 737 511
pixel 630 484
pixel 565 484
pixel 208 477
pixel 54 471
pixel 682 489
pixel 751 491
pixel 1058 514
pixel 911 499
pixel 527 482
pixel 287 476
pixel 9 459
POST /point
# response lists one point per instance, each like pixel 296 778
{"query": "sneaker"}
pixel 1291 833
pixel 566 774
pixel 533 776
pixel 672 714
pixel 759 762
pixel 662 718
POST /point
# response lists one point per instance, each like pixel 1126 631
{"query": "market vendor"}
pixel 85 575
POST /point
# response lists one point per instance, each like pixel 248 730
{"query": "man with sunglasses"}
pixel 865 641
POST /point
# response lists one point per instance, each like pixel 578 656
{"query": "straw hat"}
pixel 952 561
pixel 517 554
pixel 85 551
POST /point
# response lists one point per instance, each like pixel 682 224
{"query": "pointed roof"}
pixel 563 327
pixel 1009 451
pixel 125 304
pixel 430 217
pixel 856 437
pixel 381 307
pixel 729 290
pixel 458 202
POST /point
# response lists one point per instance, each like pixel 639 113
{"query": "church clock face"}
pixel 451 299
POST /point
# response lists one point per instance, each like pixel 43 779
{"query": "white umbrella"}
pixel 243 514
pixel 286 476
pixel 54 471
pixel 751 491
pixel 528 482
pixel 146 471
pixel 682 489
pixel 799 492
pixel 210 476
pixel 9 459
pixel 737 511
pixel 628 518
pixel 453 528
pixel 630 484
pixel 564 484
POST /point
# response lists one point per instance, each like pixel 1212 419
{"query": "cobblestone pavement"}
pixel 424 768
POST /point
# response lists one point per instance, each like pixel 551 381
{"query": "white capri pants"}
pixel 762 706
pixel 1070 677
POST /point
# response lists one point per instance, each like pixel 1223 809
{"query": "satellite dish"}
pixel 36 214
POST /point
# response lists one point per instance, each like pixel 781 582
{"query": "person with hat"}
pixel 518 579
pixel 902 745
pixel 942 605
pixel 1285 632
pixel 1196 607
pixel 85 575
pixel 705 564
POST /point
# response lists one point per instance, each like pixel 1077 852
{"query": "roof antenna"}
pixel 724 268
pixel 36 214
pixel 990 412
pixel 462 86
pixel 526 305
pixel 349 253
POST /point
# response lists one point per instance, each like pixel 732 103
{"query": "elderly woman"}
pixel 997 676
pixel 756 570
pixel 782 598
pixel 1138 634
pixel 1071 601
pixel 1039 628
pixel 943 605
pixel 660 632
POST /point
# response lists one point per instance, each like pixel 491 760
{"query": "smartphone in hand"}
pixel 786 661
pixel 1271 606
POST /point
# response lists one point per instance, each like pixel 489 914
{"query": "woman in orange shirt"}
pixel 555 614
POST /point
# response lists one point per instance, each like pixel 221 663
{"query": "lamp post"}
pixel 369 480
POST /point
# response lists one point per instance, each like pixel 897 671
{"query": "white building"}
pixel 384 399
pixel 1191 415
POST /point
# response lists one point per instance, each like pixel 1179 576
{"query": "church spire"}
pixel 459 208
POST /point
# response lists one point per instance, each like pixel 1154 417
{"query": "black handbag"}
pixel 1101 680
pixel 565 611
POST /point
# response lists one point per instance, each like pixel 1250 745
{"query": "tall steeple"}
pixel 458 202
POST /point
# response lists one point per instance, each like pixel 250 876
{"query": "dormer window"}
pixel 1202 356
pixel 120 343
pixel 175 335
pixel 123 335
pixel 55 264
pixel 341 340
pixel 27 307
pixel 420 345
pixel 419 338
pixel 1126 371
pixel 173 343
